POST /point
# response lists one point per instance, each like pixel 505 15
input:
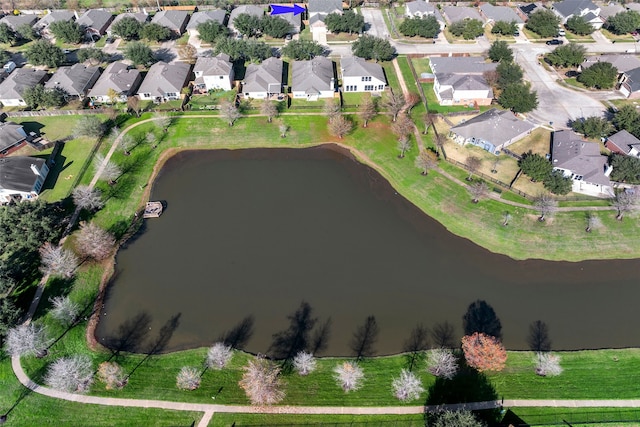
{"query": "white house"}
pixel 422 9
pixel 116 83
pixel 213 73
pixel 359 75
pixel 584 8
pixel 21 178
pixel 12 88
pixel 582 162
pixel 461 81
pixel 264 80
pixel 314 79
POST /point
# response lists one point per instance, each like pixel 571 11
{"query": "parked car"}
pixel 562 33
pixel 516 33
pixel 554 42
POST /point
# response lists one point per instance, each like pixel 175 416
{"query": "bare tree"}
pixel 404 145
pixel 27 340
pixel 367 111
pixel 394 104
pixel 407 386
pixel 442 335
pixel 349 376
pixel 625 201
pixel 478 191
pixel 339 126
pixel 188 378
pixel 403 126
pixel 416 344
pixel 87 198
pixel 506 217
pixel 411 100
pixel 364 338
pixel 283 128
pixel 110 172
pixel 230 112
pixel 90 126
pixel 304 363
pixel 57 261
pixel 219 355
pixel 593 221
pixel 126 144
pixel 426 160
pixel 545 205
pixel 538 338
pixel 473 163
pixel 133 104
pixel 442 363
pixel 331 109
pixel 188 53
pixel 428 120
pixel 64 310
pixel 73 374
pixel 440 140
pixel 151 138
pixel 269 109
pixel 261 382
pixel 548 365
pixel 94 242
pixel 163 121
pixel 112 375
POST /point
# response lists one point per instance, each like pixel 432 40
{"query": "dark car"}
pixel 516 33
pixel 554 41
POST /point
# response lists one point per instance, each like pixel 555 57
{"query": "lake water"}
pixel 256 232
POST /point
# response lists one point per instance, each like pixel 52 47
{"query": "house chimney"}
pixel 332 85
pixel 35 170
pixel 75 12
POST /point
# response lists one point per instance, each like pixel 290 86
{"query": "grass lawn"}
pixel 421 65
pixel 354 98
pixel 53 128
pixel 225 420
pixel 164 106
pixel 538 142
pixel 310 106
pixel 435 107
pixel 621 38
pixel 203 102
pixel 392 78
pixel 576 38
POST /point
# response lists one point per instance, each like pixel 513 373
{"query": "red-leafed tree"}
pixel 484 352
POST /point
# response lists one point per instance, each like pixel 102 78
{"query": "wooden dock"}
pixel 153 210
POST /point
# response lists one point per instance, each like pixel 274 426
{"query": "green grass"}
pixel 225 420
pixel 577 416
pixel 392 79
pixel 435 107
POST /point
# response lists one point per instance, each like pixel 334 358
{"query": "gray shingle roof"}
pixel 324 6
pixel 633 79
pixel 420 6
pixel 623 140
pixel 312 76
pixel 570 152
pixel 294 20
pixel 356 67
pixel 140 17
pixel 623 63
pixel 56 15
pixel 19 80
pixel 74 80
pixel 500 13
pixel 246 8
pixel 573 7
pixel 465 82
pixel 165 78
pixel 495 126
pixel 10 134
pixel 213 66
pixel 15 21
pixel 264 77
pixel 608 10
pixel 460 13
pixel 16 173
pixel 96 19
pixel 198 18
pixel 461 65
pixel 172 19
pixel 116 76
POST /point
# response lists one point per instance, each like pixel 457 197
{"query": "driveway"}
pixel 558 105
pixel 374 22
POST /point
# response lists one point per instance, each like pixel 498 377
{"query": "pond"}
pixel 253 233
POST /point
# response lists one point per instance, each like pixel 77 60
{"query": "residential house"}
pixel 582 162
pixel 12 137
pixel 95 23
pixel 141 17
pixel 12 88
pixel 212 73
pixel 313 79
pixel 317 11
pixel 495 14
pixel 264 80
pixel 198 18
pixel 422 9
pixel 622 62
pixel 117 83
pixel 175 20
pixel 75 81
pixel 461 81
pixel 492 130
pixel 460 13
pixel 42 26
pixel 359 75
pixel 623 143
pixel 21 177
pixel 526 10
pixel 294 20
pixel 629 83
pixel 608 10
pixel 585 8
pixel 249 9
pixel 164 82
pixel 633 6
pixel 16 21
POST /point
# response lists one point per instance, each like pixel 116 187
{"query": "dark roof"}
pixel 198 18
pixel 16 21
pixel 10 134
pixel 495 126
pixel 19 80
pixel 567 8
pixel 633 79
pixel 623 140
pixel 74 80
pixel 570 152
pixel 16 173
pixel 527 9
pixel 324 6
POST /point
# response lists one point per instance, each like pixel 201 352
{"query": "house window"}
pixel 381 87
pixel 368 87
pixel 366 79
pixel 146 95
pixel 221 77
